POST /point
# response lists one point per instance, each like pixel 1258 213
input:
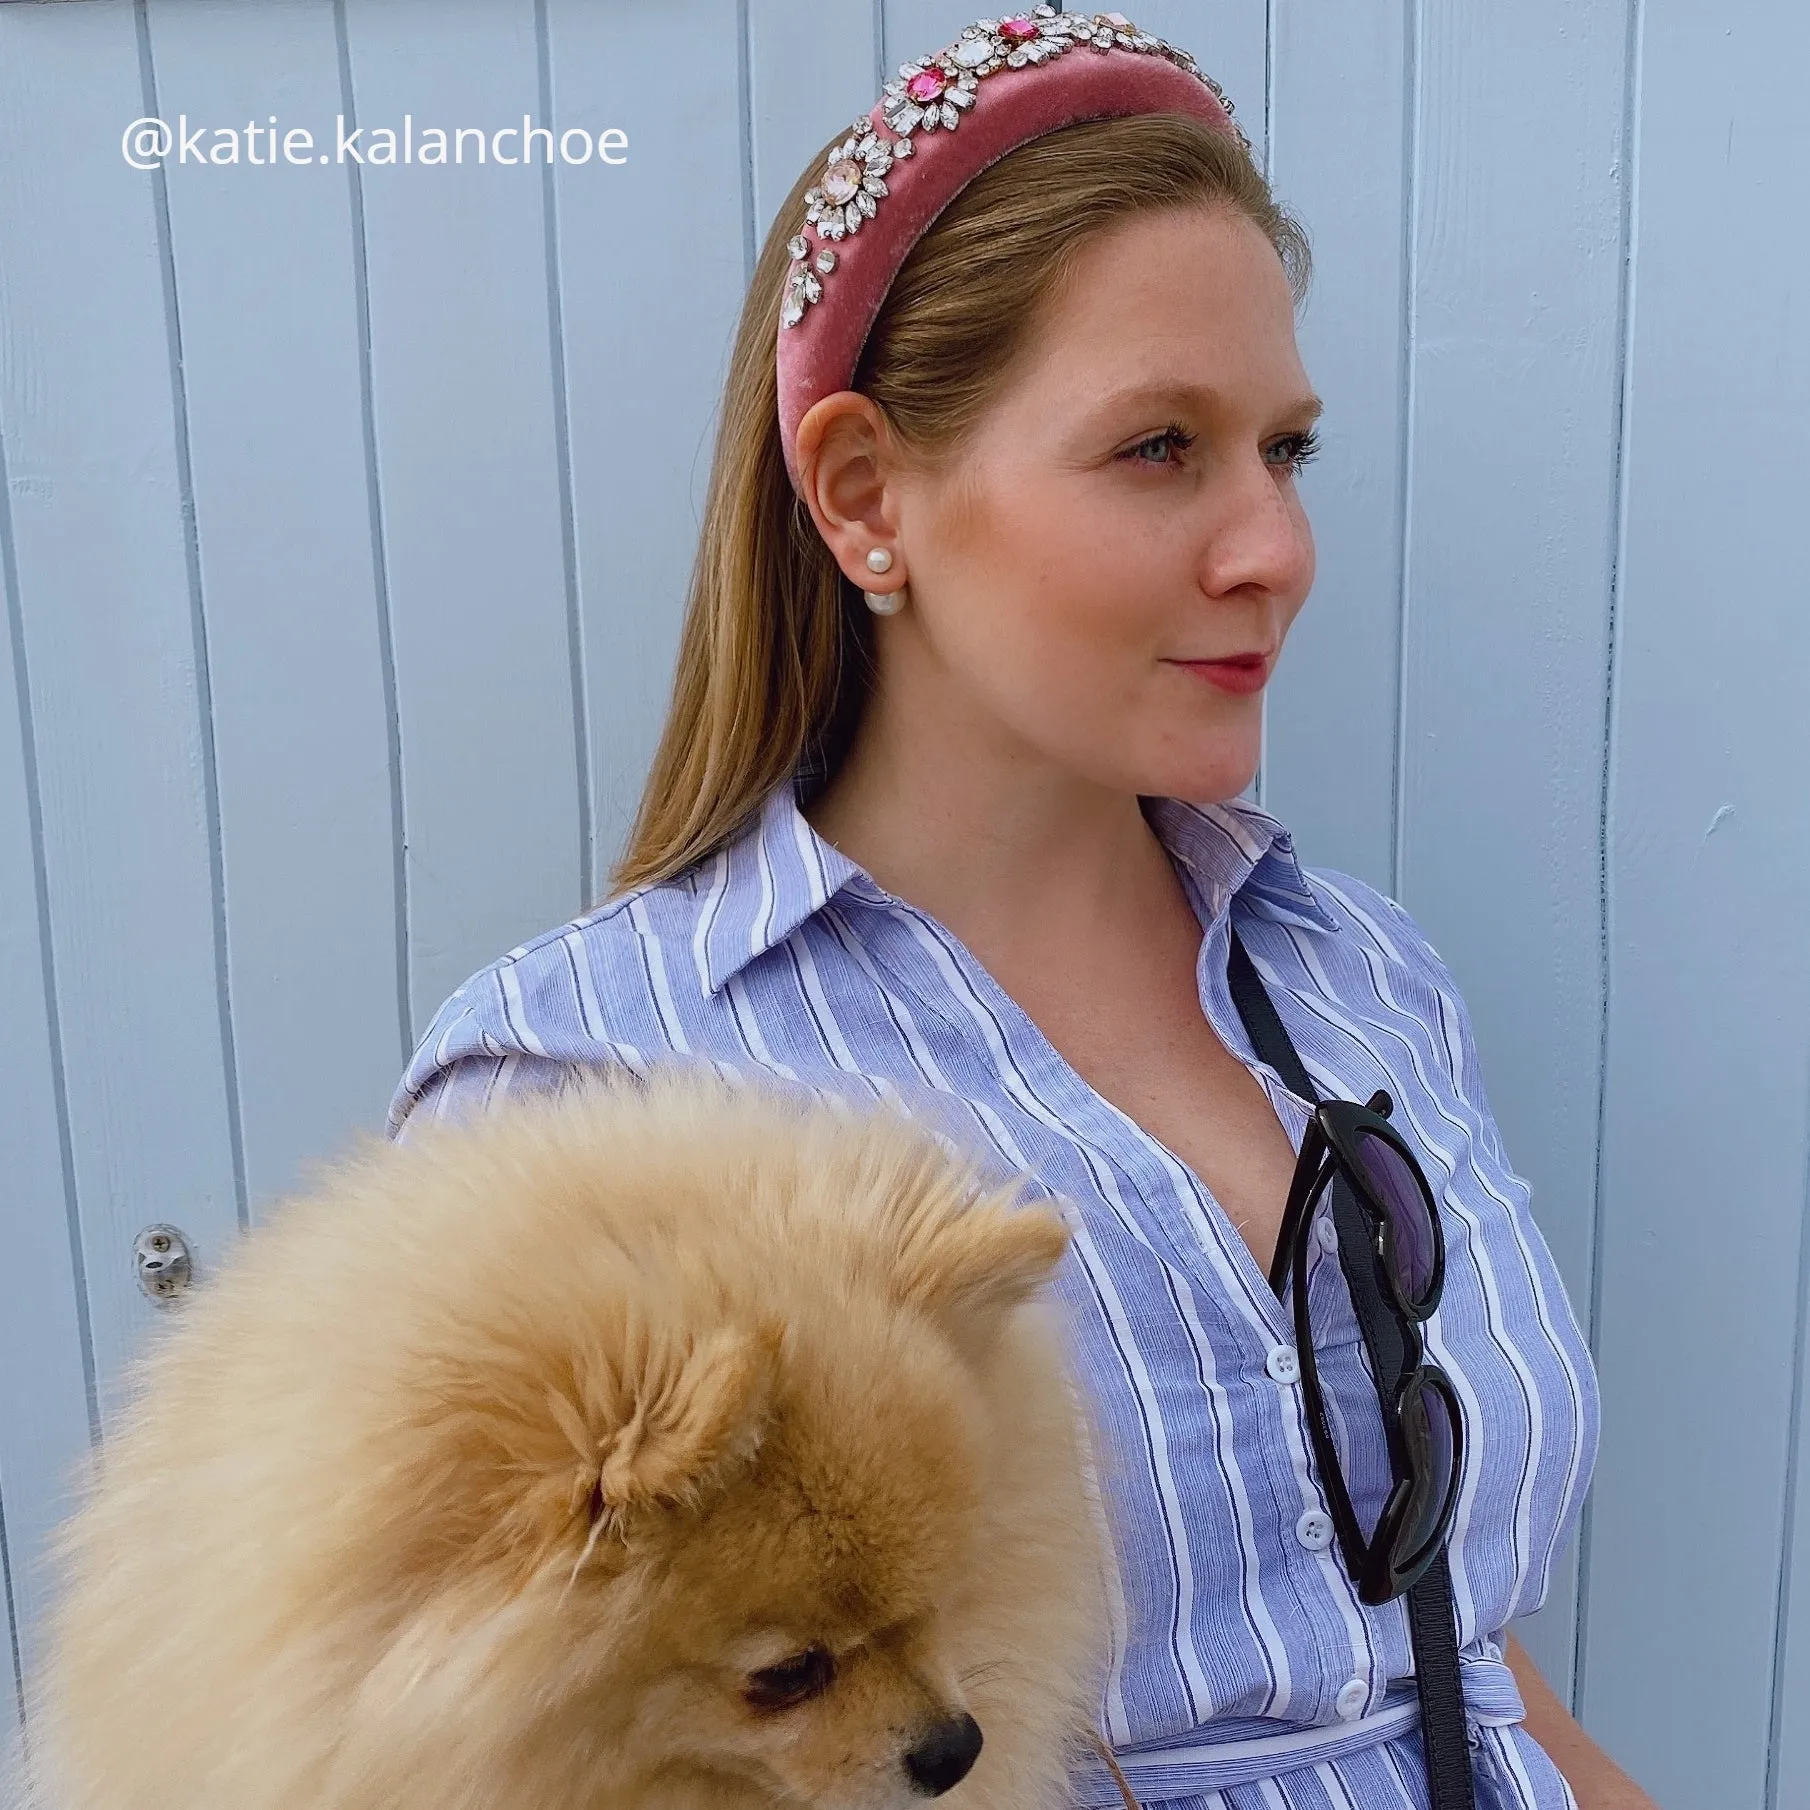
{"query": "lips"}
pixel 1240 674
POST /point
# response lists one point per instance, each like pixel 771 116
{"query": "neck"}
pixel 990 837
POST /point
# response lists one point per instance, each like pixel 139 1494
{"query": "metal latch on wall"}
pixel 164 1262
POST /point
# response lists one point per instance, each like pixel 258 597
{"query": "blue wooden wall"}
pixel 344 518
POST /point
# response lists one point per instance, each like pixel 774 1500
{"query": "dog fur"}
pixel 502 1467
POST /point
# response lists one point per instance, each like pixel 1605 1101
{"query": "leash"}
pixel 1112 1766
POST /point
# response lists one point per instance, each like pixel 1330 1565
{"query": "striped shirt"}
pixel 1244 1664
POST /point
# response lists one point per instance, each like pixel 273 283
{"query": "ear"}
pixel 970 1268
pixel 844 453
pixel 682 1408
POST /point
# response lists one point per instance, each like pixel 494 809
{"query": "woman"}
pixel 1017 368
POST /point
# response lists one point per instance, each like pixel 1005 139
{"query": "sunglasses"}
pixel 1392 1252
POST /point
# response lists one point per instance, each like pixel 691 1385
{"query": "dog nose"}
pixel 944 1757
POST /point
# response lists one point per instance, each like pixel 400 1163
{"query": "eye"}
pixel 1160 449
pixel 793 1681
pixel 1293 451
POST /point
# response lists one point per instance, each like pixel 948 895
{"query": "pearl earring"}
pixel 879 559
pixel 884 603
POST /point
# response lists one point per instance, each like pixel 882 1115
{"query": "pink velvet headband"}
pixel 944 119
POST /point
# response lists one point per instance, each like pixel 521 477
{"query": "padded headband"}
pixel 942 121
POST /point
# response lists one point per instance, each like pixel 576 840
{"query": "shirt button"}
pixel 1326 1232
pixel 1351 1700
pixel 1283 1365
pixel 1314 1530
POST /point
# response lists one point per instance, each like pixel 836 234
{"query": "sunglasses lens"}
pixel 1403 1194
pixel 1432 1442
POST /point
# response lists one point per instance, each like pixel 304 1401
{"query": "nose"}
pixel 944 1757
pixel 1259 540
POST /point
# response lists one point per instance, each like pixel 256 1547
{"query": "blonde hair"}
pixel 776 652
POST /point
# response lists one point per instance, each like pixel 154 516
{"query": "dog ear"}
pixel 974 1265
pixel 689 1406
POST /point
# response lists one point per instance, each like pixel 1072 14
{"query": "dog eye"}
pixel 796 1680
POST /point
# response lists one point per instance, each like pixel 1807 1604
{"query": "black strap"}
pixel 1432 1617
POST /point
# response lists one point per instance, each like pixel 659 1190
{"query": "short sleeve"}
pixel 471 1085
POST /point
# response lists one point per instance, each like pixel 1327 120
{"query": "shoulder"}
pixel 1371 920
pixel 579 995
pixel 1388 975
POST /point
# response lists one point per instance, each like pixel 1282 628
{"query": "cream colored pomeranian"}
pixel 654 1445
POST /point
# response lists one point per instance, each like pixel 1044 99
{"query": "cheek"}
pixel 1031 576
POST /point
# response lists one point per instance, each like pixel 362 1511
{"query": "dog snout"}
pixel 943 1757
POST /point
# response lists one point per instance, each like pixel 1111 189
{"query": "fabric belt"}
pixel 1190 1766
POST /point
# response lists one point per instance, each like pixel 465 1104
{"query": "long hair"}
pixel 776 652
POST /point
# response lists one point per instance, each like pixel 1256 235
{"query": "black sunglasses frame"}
pixel 1330 1155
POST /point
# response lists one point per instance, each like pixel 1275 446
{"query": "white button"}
pixel 1283 1365
pixel 1326 1232
pixel 1314 1530
pixel 1351 1699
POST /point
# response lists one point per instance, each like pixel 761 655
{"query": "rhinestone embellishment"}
pixel 931 95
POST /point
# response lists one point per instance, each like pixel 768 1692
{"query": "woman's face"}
pixel 1124 515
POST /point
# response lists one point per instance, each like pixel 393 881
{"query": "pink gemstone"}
pixel 926 85
pixel 841 180
pixel 1017 31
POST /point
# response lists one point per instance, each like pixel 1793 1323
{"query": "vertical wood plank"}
pixel 469 484
pixel 109 627
pixel 12 1725
pixel 1339 159
pixel 814 66
pixel 44 1409
pixel 264 256
pixel 1708 1058
pixel 1790 1759
pixel 1510 548
pixel 650 287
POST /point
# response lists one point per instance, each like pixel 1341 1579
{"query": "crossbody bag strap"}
pixel 1432 1614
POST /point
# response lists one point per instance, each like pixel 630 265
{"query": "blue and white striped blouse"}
pixel 1245 1666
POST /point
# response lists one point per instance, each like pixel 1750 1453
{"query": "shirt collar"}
pixel 757 889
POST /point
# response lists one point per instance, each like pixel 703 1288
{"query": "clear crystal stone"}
pixel 791 314
pixel 959 97
pixel 853 216
pixel 902 148
pixel 825 260
pixel 866 203
pixel 908 120
pixel 811 288
pixel 972 52
pixel 874 186
pixel 950 117
pixel 796 246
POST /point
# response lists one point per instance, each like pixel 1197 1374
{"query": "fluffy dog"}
pixel 658 1444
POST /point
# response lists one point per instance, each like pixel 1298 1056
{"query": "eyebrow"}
pixel 1155 395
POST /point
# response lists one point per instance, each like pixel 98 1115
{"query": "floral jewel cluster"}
pixel 931 95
